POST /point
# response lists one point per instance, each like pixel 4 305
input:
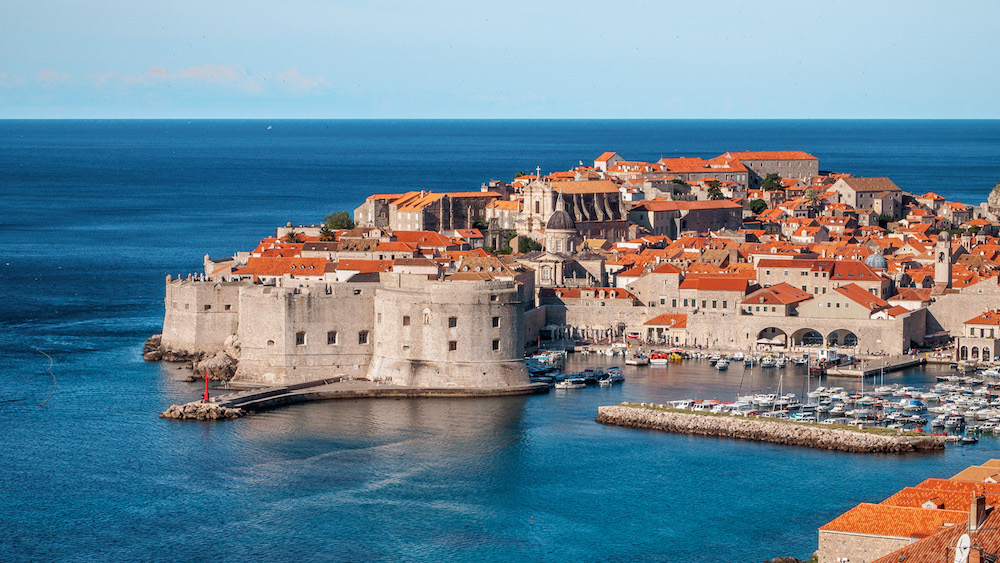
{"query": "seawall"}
pixel 775 432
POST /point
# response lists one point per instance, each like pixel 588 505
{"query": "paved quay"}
pixel 235 405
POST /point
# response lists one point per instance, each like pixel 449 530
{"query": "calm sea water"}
pixel 94 214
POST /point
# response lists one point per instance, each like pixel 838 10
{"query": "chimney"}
pixel 977 512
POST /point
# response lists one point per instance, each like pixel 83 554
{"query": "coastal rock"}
pixel 231 346
pixel 220 367
pixel 993 200
pixel 761 430
pixel 201 411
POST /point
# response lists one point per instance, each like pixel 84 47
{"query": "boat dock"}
pixel 876 367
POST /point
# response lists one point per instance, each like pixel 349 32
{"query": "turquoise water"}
pixel 95 214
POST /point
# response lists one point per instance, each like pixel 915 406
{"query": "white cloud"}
pixel 234 76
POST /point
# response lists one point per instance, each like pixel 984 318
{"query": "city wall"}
pixel 199 315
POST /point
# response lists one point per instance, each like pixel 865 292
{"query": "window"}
pixel 704 304
pixel 725 304
pixel 270 343
pixel 758 308
pixel 685 302
pixel 496 344
pixel 363 337
pixel 496 322
pixel 406 320
pixel 804 289
pixel 715 304
pixel 663 301
pixel 838 305
pixel 208 307
pixel 331 337
pixel 452 322
pixel 228 307
pixel 673 303
pixel 357 292
pixel 452 345
pixel 493 297
pixel 768 272
pixel 378 318
pixel 300 339
pixel 427 318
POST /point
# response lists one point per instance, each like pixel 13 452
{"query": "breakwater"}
pixel 773 431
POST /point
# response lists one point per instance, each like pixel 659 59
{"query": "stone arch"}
pixel 975 352
pixel 964 353
pixel 842 337
pixel 772 336
pixel 986 353
pixel 807 337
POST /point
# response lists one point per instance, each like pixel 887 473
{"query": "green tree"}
pixel 679 181
pixel 772 182
pixel 758 206
pixel 292 237
pixel 505 245
pixel 526 245
pixel 715 193
pixel 481 225
pixel 520 173
pixel 326 233
pixel 884 219
pixel 337 220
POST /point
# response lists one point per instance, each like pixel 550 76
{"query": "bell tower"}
pixel 942 260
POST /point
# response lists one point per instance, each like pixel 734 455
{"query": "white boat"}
pixel 635 360
pixel 738 356
pixel 722 364
pixel 781 362
pixel 767 362
pixel 571 383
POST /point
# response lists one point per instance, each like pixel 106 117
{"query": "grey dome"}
pixel 561 221
pixel 877 262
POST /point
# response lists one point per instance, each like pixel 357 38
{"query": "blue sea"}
pixel 94 215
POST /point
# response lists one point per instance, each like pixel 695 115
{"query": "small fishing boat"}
pixel 658 358
pixel 722 364
pixel 636 360
pixel 571 383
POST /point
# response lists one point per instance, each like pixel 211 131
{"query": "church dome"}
pixel 877 262
pixel 560 220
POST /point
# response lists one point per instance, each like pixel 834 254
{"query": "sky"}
pixel 818 59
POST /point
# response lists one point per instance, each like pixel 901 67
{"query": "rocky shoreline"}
pixel 655 417
pixel 221 366
pixel 201 411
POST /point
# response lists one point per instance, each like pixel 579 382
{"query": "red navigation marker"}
pixel 205 399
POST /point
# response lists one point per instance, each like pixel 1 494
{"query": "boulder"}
pixel 220 367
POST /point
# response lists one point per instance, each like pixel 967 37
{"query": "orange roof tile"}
pixel 893 521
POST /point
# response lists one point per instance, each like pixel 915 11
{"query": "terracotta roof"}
pixel 589 187
pixel 715 283
pixel 771 155
pixel 279 266
pixel 666 268
pixel 893 521
pixel 874 184
pixel 915 497
pixel 364 266
pixel 673 320
pixel 576 292
pixel 978 473
pixel 605 156
pixel 662 205
pixel 779 294
pixel 856 293
pixel 991 318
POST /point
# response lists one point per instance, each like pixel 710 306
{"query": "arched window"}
pixel 964 354
pixel 975 352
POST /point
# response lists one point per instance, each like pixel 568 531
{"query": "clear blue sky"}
pixel 499 59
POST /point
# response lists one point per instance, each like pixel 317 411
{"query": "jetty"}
pixel 874 368
pixel 828 437
pixel 240 403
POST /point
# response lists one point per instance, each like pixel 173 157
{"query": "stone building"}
pixel 595 206
pixel 401 328
pixel 671 218
pixel 786 164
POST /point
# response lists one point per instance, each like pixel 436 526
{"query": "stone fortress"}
pixel 398 329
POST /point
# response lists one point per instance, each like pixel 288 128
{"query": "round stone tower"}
pixel 560 230
pixel 449 335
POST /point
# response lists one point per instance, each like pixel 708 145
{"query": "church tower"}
pixel 560 231
pixel 942 260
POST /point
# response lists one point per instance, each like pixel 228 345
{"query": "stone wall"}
pixel 199 315
pixel 295 334
pixel 856 548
